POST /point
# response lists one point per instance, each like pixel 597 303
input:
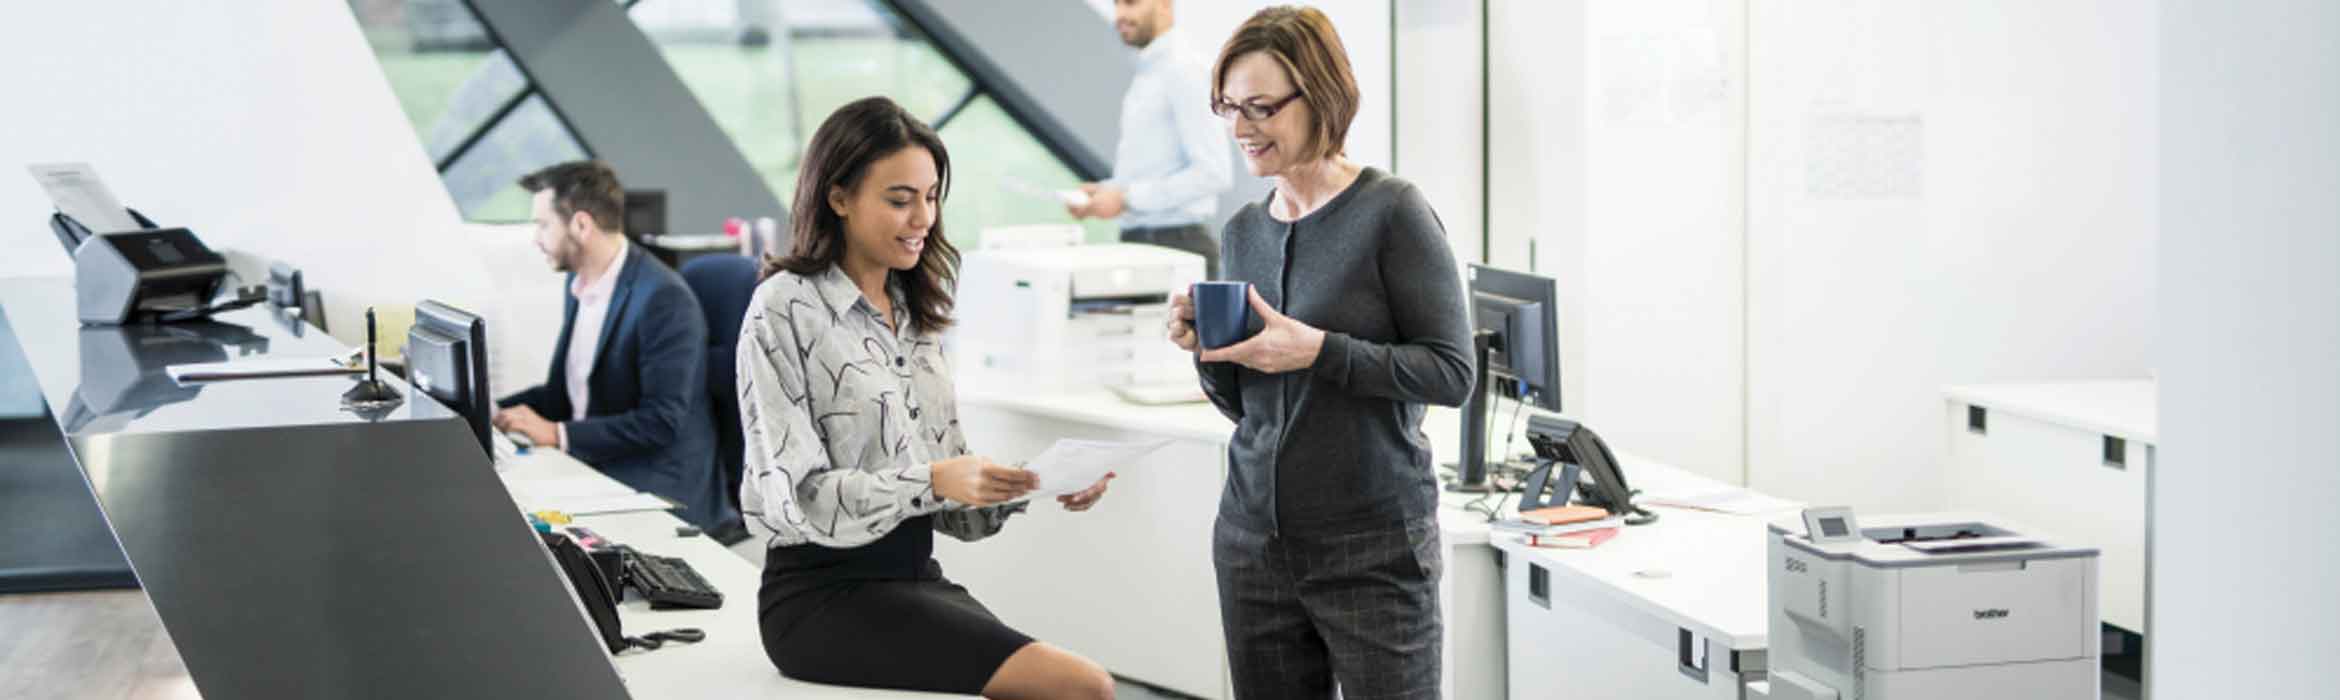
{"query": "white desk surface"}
pixel 2123 408
pixel 1698 570
pixel 731 661
pixel 1202 422
pixel 1713 563
pixel 1704 572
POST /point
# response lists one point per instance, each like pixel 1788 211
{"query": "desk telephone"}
pixel 601 576
pixel 1578 453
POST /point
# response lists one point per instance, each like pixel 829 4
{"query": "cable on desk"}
pixel 654 640
pixel 1511 434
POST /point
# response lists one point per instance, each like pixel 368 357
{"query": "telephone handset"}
pixel 1560 441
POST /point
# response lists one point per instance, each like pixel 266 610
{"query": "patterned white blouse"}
pixel 844 416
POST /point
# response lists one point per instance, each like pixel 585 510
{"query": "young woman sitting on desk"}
pixel 854 454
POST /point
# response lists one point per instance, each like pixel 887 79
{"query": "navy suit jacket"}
pixel 647 423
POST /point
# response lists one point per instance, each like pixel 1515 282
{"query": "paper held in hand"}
pixel 1071 465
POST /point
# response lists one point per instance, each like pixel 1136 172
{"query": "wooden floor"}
pixel 87 644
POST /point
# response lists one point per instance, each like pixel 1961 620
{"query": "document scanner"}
pixel 1929 607
pixel 147 275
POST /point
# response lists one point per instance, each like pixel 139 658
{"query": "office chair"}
pixel 724 283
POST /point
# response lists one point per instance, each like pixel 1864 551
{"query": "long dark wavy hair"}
pixel 856 135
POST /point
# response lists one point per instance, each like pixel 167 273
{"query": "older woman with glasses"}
pixel 1326 544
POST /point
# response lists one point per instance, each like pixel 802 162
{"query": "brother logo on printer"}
pixel 1991 614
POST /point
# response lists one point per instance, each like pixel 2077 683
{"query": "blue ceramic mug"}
pixel 1222 313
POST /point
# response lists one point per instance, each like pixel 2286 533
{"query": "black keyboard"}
pixel 668 582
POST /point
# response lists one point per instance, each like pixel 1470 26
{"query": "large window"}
pixel 990 152
pixel 770 88
pixel 767 71
pixel 478 117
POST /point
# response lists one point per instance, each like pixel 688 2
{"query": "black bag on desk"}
pixel 595 590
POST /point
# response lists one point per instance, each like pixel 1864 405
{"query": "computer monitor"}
pixel 1520 312
pixel 646 213
pixel 295 303
pixel 1516 338
pixel 285 287
pixel 446 359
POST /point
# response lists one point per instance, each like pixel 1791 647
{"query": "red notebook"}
pixel 1574 540
pixel 1563 515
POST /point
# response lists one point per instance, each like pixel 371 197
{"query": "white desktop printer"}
pixel 1927 607
pixel 1065 317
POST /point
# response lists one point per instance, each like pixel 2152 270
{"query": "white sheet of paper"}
pixel 78 193
pixel 613 504
pixel 1071 465
pixel 579 495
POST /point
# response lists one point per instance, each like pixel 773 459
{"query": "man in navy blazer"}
pixel 628 388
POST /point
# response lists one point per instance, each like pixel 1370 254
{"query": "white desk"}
pixel 2053 443
pixel 1130 584
pixel 1612 622
pixel 730 663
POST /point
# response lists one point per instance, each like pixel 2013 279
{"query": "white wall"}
pixel 1940 192
pixel 262 126
pixel 1617 165
pixel 1537 188
pixel 2242 518
pixel 1780 228
pixel 1438 135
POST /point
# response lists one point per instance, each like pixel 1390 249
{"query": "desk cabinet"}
pixel 1128 584
pixel 2069 458
pixel 1568 641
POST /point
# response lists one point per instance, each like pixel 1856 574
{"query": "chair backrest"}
pixel 723 284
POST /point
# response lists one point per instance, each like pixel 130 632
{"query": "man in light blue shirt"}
pixel 1172 162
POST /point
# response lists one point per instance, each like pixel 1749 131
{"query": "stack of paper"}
pixel 1569 526
pixel 580 495
pixel 78 193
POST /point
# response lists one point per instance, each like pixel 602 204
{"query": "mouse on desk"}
pixel 520 441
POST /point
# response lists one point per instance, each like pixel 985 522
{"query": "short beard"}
pixel 566 254
pixel 1145 35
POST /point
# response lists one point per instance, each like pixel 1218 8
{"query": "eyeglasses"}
pixel 1254 111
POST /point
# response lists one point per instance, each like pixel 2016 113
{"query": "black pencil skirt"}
pixel 869 617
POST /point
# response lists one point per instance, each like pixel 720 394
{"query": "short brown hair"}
pixel 588 186
pixel 1303 40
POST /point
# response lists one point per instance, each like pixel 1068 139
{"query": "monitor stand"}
pixel 1470 472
